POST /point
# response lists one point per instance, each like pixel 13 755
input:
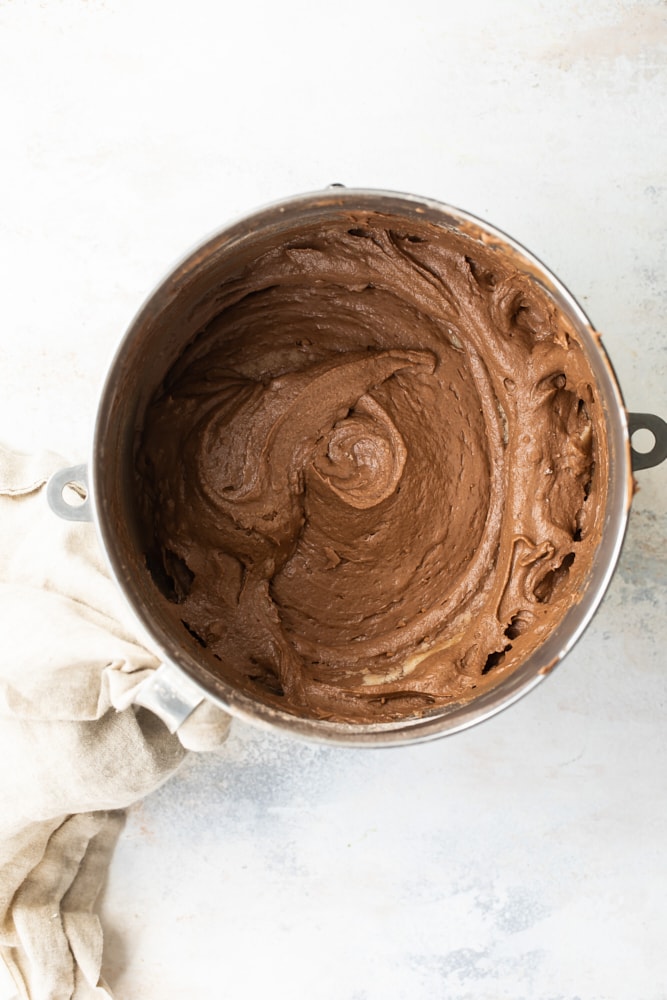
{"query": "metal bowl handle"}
pixel 658 428
pixel 76 478
pixel 170 694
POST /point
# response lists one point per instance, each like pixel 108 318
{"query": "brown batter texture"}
pixel 374 481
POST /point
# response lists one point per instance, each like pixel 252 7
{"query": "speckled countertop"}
pixel 526 858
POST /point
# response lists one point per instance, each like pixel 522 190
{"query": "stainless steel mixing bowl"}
pixel 166 322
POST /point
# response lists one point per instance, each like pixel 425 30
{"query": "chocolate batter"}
pixel 374 481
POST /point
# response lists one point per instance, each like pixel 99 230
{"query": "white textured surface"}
pixel 525 859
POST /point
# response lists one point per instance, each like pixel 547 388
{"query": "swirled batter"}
pixel 373 482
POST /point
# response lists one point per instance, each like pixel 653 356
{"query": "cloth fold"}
pixel 74 751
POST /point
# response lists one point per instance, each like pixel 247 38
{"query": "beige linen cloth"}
pixel 74 752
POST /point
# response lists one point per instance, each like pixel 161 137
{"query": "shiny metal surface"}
pixel 146 353
pixel 658 428
pixel 76 477
pixel 170 694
